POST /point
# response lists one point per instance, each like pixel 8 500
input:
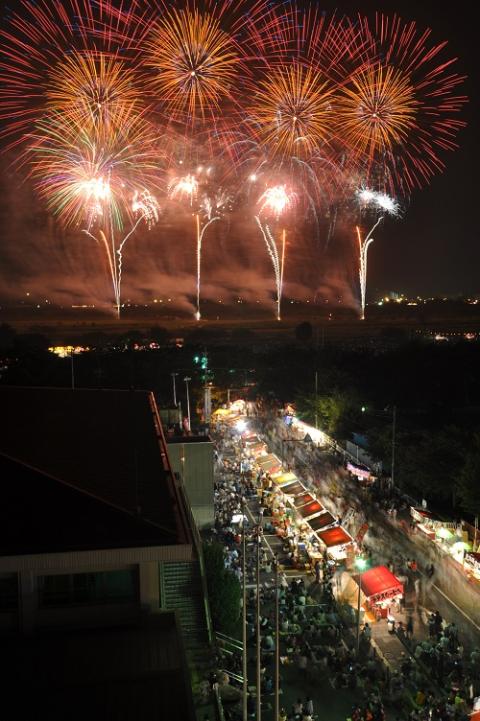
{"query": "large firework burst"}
pixel 401 110
pixel 92 88
pixel 194 63
pixel 50 48
pixel 291 111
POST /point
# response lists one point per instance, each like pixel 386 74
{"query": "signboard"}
pixel 358 470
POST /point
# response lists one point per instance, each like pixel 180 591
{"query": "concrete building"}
pixel 192 459
pixel 96 537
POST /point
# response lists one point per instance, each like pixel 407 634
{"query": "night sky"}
pixel 433 249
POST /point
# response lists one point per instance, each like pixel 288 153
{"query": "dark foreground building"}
pixel 101 591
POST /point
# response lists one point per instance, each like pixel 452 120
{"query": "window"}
pixel 88 588
pixel 8 591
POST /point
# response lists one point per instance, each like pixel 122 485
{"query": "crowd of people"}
pixel 313 637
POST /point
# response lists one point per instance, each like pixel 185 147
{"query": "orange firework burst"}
pixel 194 63
pixel 376 110
pixel 46 43
pixel 92 87
pixel 291 111
pixel 401 110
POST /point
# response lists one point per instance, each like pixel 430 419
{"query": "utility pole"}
pixel 259 647
pixel 187 379
pixel 174 375
pixel 244 615
pixel 207 394
pixel 276 701
pixel 316 400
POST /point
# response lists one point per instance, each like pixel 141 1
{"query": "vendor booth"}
pixel 380 588
pixel 322 521
pixel 337 541
pixel 269 463
pixel 472 564
pixel 283 478
pixel 310 510
pixel 294 488
pixel 302 499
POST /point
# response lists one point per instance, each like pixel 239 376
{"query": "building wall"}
pixel 32 578
pixel 194 464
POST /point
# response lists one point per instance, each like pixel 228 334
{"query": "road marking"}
pixel 457 607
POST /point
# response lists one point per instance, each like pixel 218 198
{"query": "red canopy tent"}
pixel 379 584
pixel 334 537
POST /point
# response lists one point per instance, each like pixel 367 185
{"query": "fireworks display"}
pixel 114 111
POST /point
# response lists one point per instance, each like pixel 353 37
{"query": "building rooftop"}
pixel 44 515
pixel 136 673
pixel 100 451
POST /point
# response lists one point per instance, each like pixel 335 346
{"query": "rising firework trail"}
pixel 363 246
pixel 386 205
pixel 276 200
pixel 210 211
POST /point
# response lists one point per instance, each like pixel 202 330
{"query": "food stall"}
pixel 294 488
pixel 337 541
pixel 380 588
pixel 321 522
pixel 472 564
pixel 283 477
pixel 269 463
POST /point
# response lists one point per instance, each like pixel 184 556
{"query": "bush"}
pixel 224 590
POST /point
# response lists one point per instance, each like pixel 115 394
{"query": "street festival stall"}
pixel 269 463
pixel 472 564
pixel 337 541
pixel 380 589
pixel 283 477
pixel 448 535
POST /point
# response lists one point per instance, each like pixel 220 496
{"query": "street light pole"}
pixel 259 653
pixel 174 375
pixel 276 705
pixel 187 379
pixel 244 615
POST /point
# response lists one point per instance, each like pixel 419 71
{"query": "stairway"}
pixel 181 590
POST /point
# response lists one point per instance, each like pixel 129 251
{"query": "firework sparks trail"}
pixel 276 200
pixel 276 258
pixel 212 208
pixel 386 205
pixel 147 208
pixel 363 246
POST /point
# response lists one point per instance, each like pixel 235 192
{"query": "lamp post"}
pixel 276 701
pixel 174 375
pixel 259 652
pixel 360 564
pixel 187 379
pixel 244 615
